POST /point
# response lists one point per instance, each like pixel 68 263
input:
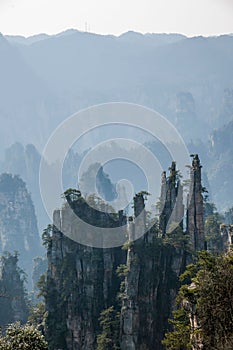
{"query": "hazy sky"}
pixel 190 17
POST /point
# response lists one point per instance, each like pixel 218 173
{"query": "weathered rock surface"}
pixel 82 281
pixel 13 306
pixel 18 224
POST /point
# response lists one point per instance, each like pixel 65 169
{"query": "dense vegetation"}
pixel 22 337
pixel 105 287
pixel 97 298
pixel 13 298
pixel 205 300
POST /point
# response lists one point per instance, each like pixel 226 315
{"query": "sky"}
pixel 189 17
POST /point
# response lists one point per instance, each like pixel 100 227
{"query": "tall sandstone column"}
pixel 195 211
pixel 130 308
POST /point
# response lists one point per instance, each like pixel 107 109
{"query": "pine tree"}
pixel 22 337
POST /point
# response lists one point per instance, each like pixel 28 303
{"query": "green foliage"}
pixel 204 190
pixel 174 173
pixel 99 204
pixel 179 339
pixel 42 285
pixel 189 273
pixel 212 231
pixel 145 194
pixel 40 266
pixel 127 245
pixel 22 337
pixel 122 294
pixel 37 315
pixel 47 236
pixel 208 296
pixel 176 237
pixel 215 303
pixel 13 297
pixel 122 270
pixel 72 194
pixel 110 324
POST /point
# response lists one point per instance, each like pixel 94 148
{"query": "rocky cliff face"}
pixel 220 165
pixel 171 201
pixel 13 305
pixel 153 266
pixel 18 225
pixel 25 162
pixel 151 287
pixel 82 281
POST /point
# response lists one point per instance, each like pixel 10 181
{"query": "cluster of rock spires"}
pixel 82 281
pixel 18 223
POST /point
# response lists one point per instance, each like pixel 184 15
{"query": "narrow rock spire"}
pixel 195 211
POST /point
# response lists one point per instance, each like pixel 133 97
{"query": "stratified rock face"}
pixel 13 305
pixel 81 282
pixel 18 225
pixel 151 287
pixel 195 212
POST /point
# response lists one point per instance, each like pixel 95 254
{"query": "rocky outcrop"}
pixel 18 224
pixel 13 305
pixel 151 286
pixel 195 211
pixel 96 177
pixel 171 208
pixel 82 280
pixel 227 236
pixel 25 162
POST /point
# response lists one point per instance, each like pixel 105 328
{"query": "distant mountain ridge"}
pixel 47 78
pixel 154 38
pixel 51 77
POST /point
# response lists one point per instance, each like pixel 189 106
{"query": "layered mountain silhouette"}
pixel 45 79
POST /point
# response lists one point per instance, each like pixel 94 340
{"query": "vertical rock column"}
pixel 130 309
pixel 195 212
pixel 81 280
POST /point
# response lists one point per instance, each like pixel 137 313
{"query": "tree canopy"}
pixel 206 296
pixel 22 337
